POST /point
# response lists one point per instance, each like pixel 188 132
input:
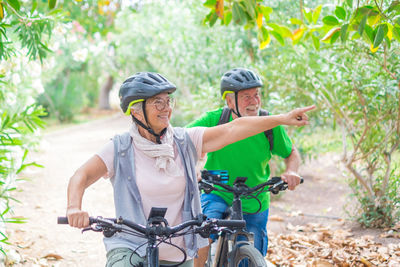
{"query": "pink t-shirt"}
pixel 158 189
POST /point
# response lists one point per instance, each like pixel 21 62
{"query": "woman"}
pixel 154 165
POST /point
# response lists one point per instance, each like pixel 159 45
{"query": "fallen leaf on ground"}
pixel 53 256
pixel 275 218
pixel 313 245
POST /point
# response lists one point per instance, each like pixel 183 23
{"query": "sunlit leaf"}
pixel 1 11
pixel 330 20
pixel 296 21
pixel 52 3
pixel 266 10
pixel 278 37
pixel 213 18
pixel 316 13
pixel 238 13
pixel 396 33
pixel 334 37
pixel 308 14
pixel 330 33
pixel 349 3
pixel 340 12
pixel 394 5
pixel 250 7
pixel 369 32
pixel 14 4
pixel 343 32
pixel 372 20
pixel 34 6
pixel 297 34
pixel 219 8
pixel 208 3
pixel 265 43
pixel 361 26
pixel 373 50
pixel 390 31
pixel 259 20
pixel 316 42
pixel 227 17
pixel 285 31
pixel 380 34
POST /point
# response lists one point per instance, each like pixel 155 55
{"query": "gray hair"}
pixel 137 107
pixel 230 95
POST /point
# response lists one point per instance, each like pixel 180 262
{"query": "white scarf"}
pixel 163 153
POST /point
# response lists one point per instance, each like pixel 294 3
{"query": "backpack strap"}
pixel 226 114
pixel 268 133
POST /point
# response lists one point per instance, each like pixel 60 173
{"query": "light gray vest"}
pixel 127 199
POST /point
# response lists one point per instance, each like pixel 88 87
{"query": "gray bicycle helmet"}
pixel 142 86
pixel 239 79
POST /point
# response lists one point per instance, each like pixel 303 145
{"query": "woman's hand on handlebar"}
pixel 77 218
pixel 291 178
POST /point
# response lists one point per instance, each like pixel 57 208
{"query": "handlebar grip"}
pixel 62 220
pixel 232 223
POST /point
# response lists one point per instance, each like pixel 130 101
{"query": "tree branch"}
pixel 360 179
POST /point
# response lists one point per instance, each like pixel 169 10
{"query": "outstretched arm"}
pixel 217 137
pixel 86 175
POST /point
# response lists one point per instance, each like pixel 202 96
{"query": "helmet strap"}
pixel 147 128
pixel 237 107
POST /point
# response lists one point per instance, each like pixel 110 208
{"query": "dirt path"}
pixel 39 241
pixel 44 198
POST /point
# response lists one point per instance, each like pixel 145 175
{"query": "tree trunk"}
pixel 104 100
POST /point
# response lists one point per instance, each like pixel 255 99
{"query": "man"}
pixel 249 157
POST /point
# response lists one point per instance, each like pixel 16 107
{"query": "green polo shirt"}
pixel 248 158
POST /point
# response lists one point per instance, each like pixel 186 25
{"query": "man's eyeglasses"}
pixel 161 104
pixel 249 98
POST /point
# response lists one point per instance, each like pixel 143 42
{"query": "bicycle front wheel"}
pixel 247 256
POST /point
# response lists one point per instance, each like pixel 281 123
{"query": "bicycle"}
pixel 157 230
pixel 229 250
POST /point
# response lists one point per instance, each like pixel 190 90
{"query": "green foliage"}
pixel 381 214
pixel 176 45
pixel 24 35
pixel 32 29
pixel 15 126
pixel 380 21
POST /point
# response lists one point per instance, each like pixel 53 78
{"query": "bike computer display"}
pixel 157 212
pixel 216 175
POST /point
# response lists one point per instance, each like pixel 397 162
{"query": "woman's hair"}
pixel 137 107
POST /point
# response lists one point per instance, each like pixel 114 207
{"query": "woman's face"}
pixel 158 111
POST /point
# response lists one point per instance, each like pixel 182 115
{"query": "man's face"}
pixel 249 102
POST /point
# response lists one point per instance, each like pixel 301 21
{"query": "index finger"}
pixel 305 109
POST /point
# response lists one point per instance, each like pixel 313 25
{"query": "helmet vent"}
pixel 165 80
pixel 238 79
pixel 252 76
pixel 155 77
pixel 244 75
pixel 147 82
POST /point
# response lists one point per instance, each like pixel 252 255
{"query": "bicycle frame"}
pixel 227 242
pixel 229 249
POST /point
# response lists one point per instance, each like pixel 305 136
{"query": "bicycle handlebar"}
pixel 115 224
pixel 275 184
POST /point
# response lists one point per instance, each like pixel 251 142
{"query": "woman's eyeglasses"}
pixel 161 104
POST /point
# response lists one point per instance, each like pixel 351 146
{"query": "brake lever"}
pixel 95 228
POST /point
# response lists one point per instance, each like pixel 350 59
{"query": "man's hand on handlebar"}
pixel 77 218
pixel 291 178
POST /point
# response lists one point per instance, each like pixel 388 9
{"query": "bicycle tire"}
pixel 254 257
